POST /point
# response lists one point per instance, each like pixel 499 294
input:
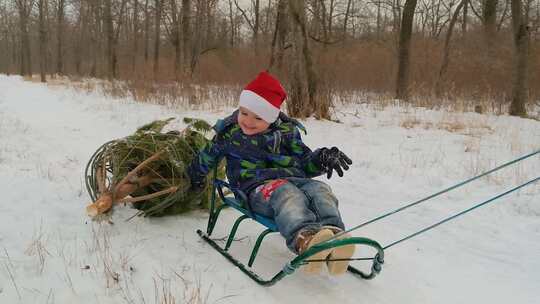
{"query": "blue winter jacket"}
pixel 253 159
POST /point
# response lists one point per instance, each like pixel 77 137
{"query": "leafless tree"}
pixel 280 35
pixel 465 18
pixel 96 27
pixel 24 8
pixel 60 11
pixel 197 41
pixel 108 20
pixel 232 24
pixel 186 33
pixel 157 35
pixel 173 33
pixel 42 40
pixel 520 28
pixel 113 24
pixel 252 22
pixel 446 54
pixel 402 83
pixel 304 82
pixel 81 28
pixel 346 18
pixel 146 31
pixel 135 21
pixel 489 18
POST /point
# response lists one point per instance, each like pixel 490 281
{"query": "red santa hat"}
pixel 263 96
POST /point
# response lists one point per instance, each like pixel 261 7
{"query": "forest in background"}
pixel 481 52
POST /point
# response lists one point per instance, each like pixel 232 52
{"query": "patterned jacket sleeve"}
pixel 206 160
pixel 309 160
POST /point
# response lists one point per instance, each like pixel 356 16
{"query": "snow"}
pixel 52 253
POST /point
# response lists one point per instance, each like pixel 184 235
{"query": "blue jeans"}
pixel 296 204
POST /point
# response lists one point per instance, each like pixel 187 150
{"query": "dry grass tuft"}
pixel 455 126
pixel 409 123
pixel 37 248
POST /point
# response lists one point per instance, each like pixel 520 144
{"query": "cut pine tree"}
pixel 148 170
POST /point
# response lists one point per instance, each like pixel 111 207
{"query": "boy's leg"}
pixel 325 205
pixel 322 202
pixel 289 207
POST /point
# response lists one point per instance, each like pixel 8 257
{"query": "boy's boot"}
pixel 342 252
pixel 305 240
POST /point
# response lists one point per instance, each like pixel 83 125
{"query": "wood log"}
pixel 107 199
pixel 100 206
pixel 148 196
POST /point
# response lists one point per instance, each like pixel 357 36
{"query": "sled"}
pixel 239 203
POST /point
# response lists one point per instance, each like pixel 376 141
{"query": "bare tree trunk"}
pixel 42 41
pixel 116 34
pixel 94 37
pixel 196 44
pixel 174 37
pixel 331 18
pixel 280 34
pixel 256 25
pixel 346 20
pixel 14 50
pixel 6 60
pixel 186 33
pixel 464 21
pixel 379 19
pixel 110 38
pixel 446 54
pixel 253 25
pixel 157 37
pixel 135 35
pixel 323 22
pixel 520 30
pixel 80 38
pixel 60 37
pixel 396 16
pixel 146 32
pixel 27 47
pixel 210 28
pixel 489 19
pixel 316 21
pixel 232 25
pixel 402 83
pixel 303 101
pixel 25 8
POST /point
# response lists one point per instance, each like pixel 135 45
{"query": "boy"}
pixel 268 162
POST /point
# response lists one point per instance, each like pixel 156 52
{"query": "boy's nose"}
pixel 250 122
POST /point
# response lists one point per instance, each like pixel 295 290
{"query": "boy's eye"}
pixel 243 113
pixel 258 118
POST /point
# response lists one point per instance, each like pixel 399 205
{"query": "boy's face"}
pixel 251 123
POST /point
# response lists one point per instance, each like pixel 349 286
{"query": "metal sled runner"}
pixel 289 267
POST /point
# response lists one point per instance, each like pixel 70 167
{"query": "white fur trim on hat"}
pixel 258 105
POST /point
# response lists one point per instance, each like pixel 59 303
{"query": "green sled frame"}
pixel 289 267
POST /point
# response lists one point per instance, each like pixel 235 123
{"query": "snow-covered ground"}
pixel 50 252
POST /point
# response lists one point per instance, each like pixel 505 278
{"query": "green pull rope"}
pixel 463 212
pixel 436 194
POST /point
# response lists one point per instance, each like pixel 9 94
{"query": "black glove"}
pixel 333 159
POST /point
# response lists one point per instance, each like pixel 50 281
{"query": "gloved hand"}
pixel 333 159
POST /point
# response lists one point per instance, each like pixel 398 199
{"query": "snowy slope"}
pixel 50 252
